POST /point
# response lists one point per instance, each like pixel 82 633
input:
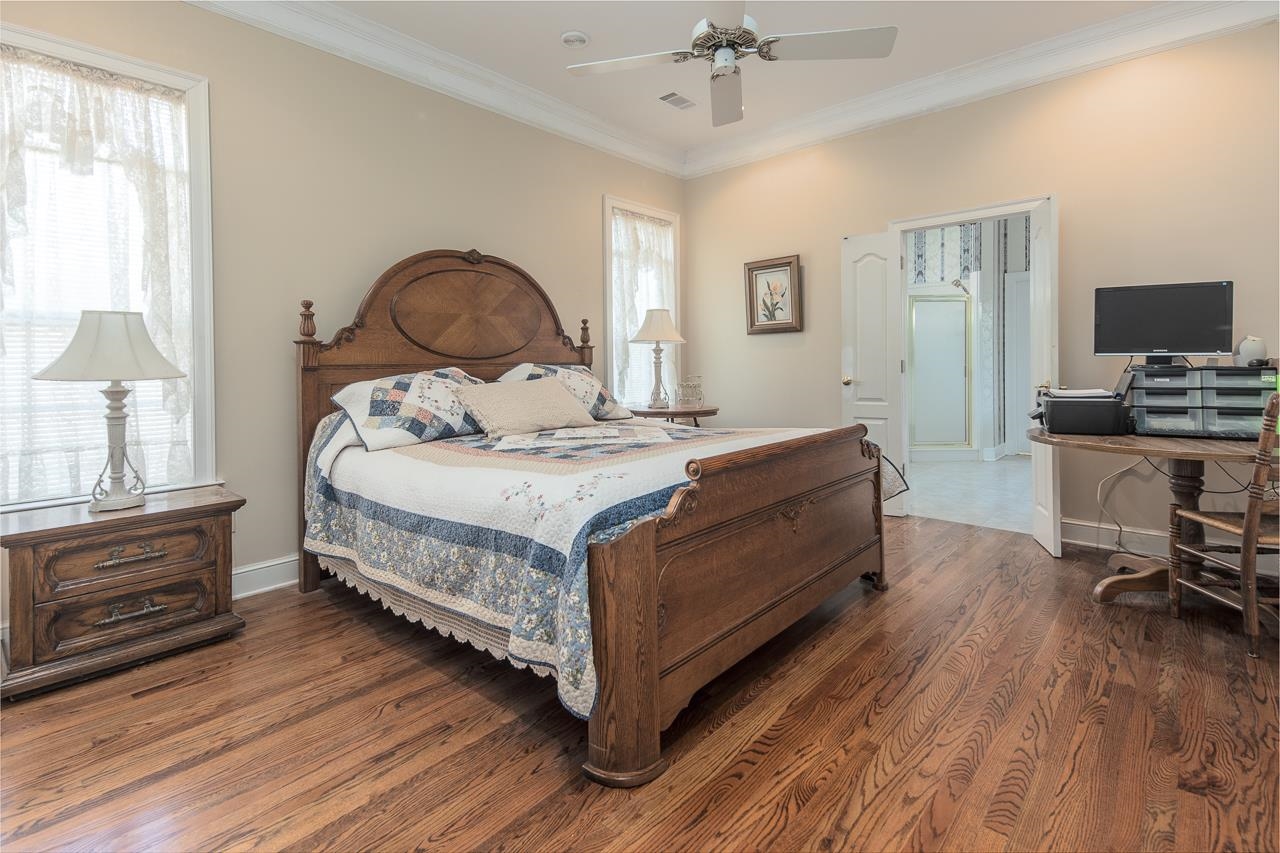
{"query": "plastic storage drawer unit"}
pixel 1235 398
pixel 1165 398
pixel 1257 378
pixel 1166 377
pixel 1149 420
pixel 1233 423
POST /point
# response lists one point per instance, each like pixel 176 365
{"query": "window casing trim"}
pixel 671 354
pixel 196 96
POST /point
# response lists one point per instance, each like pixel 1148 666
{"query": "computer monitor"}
pixel 1161 321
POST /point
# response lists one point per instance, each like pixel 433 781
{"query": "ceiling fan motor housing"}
pixel 708 40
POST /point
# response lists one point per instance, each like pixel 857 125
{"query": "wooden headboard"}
pixel 431 310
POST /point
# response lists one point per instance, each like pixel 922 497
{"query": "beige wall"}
pixel 326 172
pixel 1164 168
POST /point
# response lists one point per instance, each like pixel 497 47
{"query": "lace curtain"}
pixel 644 277
pixel 94 214
pixel 944 254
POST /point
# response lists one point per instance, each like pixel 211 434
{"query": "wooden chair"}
pixel 1259 530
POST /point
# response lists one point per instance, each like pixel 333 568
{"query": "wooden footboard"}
pixel 756 540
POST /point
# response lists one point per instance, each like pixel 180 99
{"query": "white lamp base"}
pixel 109 504
pixel 658 397
pixel 112 494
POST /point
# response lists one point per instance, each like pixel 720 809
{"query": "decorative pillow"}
pixel 515 408
pixel 408 409
pixel 580 381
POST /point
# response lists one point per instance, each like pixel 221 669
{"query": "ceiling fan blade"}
pixel 726 98
pixel 729 14
pixel 626 63
pixel 864 43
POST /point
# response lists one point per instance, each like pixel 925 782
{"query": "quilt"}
pixel 486 540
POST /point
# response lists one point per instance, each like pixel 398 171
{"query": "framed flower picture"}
pixel 774 302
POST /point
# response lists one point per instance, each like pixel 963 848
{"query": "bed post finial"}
pixel 307 321
pixel 584 346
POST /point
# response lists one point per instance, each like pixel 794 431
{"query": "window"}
pixel 104 205
pixel 944 254
pixel 642 255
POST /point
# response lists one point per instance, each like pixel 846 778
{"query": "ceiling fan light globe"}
pixel 699 28
pixel 725 62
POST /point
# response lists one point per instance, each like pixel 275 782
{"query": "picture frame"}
pixel 774 296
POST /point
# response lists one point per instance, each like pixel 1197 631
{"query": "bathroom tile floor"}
pixel 987 494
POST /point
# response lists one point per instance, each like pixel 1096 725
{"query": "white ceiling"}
pixel 521 40
pixel 507 56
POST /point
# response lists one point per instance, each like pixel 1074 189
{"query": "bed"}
pixel 711 541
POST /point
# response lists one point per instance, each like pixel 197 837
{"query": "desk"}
pixel 1186 466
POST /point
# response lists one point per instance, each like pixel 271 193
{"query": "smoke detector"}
pixel 574 39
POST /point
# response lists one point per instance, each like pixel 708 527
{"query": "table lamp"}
pixel 657 328
pixel 112 346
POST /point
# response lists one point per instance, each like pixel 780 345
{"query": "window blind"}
pixel 94 214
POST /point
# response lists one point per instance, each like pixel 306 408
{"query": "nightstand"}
pixel 91 592
pixel 676 411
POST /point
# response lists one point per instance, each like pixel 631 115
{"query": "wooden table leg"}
pixel 1151 574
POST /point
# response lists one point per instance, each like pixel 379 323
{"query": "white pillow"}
pixel 408 409
pixel 515 408
pixel 580 382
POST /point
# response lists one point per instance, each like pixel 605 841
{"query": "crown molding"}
pixel 1162 27
pixel 335 30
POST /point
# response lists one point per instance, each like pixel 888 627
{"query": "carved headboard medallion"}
pixel 465 313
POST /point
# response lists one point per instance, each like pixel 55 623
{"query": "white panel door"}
pixel 939 374
pixel 1020 388
pixel 1046 512
pixel 872 352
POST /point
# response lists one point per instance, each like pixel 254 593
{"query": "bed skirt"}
pixel 487 638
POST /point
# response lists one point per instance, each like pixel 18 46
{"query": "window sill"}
pixel 75 499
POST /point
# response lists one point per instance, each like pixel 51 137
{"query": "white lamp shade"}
pixel 658 326
pixel 110 346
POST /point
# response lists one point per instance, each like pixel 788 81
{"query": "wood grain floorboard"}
pixel 984 702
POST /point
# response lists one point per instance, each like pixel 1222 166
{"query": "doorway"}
pixel 969 371
pixel 978 337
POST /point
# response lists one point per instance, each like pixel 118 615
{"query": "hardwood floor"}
pixel 982 703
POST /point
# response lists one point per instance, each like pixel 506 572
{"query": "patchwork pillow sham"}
pixel 579 381
pixel 408 409
pixel 515 408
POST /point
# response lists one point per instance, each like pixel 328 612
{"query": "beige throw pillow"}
pixel 514 408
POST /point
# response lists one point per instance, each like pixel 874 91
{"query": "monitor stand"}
pixel 1159 361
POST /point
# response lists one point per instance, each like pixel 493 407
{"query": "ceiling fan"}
pixel 723 47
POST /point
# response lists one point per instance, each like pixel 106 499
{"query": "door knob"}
pixel 848 380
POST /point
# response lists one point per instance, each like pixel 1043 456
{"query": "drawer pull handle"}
pixel 117 558
pixel 148 607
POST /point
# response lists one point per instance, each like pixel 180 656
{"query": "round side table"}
pixel 670 413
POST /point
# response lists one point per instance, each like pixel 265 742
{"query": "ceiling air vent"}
pixel 677 100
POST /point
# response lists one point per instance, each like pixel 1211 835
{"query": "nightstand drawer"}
pixel 114 616
pixel 84 564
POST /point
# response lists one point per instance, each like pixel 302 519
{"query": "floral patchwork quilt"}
pixel 487 541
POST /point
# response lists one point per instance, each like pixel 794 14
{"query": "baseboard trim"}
pixel 1091 534
pixel 991 454
pixel 255 578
